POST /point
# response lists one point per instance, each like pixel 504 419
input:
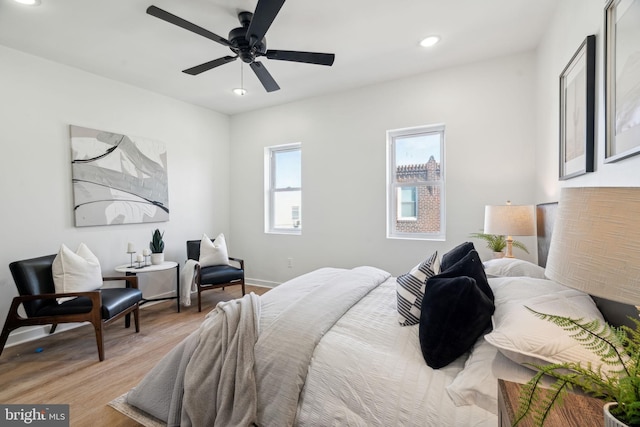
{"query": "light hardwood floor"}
pixel 67 370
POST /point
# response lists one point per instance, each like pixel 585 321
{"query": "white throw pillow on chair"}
pixel 213 253
pixel 76 272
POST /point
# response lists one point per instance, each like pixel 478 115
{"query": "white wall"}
pixel 574 20
pixel 489 114
pixel 39 99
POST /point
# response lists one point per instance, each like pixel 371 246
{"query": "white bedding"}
pixel 369 371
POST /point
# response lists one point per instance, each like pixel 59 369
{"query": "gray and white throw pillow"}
pixel 410 289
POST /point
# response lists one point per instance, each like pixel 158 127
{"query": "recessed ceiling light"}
pixel 240 91
pixel 29 2
pixel 429 41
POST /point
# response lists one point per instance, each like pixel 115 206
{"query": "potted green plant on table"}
pixel 497 243
pixel 157 247
pixel 616 380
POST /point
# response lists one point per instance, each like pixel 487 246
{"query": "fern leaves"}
pixel 604 341
pixel 616 379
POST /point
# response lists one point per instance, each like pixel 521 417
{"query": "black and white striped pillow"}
pixel 410 289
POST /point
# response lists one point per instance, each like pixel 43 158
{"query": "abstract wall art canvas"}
pixel 118 179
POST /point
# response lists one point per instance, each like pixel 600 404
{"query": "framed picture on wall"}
pixel 622 79
pixel 577 111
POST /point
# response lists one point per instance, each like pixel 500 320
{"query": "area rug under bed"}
pixel 120 404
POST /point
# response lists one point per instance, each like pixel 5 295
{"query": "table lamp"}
pixel 595 246
pixel 509 220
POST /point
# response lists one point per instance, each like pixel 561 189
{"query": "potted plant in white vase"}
pixel 616 380
pixel 497 243
pixel 157 247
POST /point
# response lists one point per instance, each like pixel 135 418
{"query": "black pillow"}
pixel 455 255
pixel 455 313
pixel 470 265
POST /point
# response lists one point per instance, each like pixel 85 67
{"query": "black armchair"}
pixel 34 280
pixel 216 276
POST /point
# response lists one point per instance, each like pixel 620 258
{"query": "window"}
pixel 415 193
pixel 407 203
pixel 283 188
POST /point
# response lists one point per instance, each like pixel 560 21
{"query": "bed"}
pixel 328 348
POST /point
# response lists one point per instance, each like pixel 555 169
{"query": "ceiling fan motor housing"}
pixel 242 46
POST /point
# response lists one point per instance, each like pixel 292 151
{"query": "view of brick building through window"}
pixel 425 215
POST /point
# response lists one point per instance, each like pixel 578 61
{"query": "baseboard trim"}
pixel 261 283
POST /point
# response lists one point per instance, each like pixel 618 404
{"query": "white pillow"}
pixel 76 272
pixel 213 253
pixel 513 267
pixel 477 383
pixel 525 338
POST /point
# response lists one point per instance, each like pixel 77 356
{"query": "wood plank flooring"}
pixel 67 370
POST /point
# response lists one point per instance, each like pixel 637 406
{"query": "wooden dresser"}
pixel 576 410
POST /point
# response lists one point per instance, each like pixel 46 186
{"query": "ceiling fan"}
pixel 247 42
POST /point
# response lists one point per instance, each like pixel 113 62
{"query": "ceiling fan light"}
pixel 29 2
pixel 239 91
pixel 429 41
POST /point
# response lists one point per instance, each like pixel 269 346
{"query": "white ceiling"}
pixel 374 41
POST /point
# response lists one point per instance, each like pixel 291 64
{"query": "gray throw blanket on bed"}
pixel 207 380
pixel 229 381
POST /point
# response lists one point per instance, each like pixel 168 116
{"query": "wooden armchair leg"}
pixel 5 336
pixel 11 322
pixel 136 318
pixel 99 339
pixel 53 328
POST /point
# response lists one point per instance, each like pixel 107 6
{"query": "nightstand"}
pixel 576 411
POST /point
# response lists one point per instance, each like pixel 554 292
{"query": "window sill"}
pixel 283 231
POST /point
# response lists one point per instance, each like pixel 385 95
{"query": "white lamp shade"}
pixel 510 220
pixel 595 245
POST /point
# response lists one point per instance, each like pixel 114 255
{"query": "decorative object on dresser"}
pixel 577 111
pixel 157 247
pixel 595 249
pixel 509 220
pixel 44 304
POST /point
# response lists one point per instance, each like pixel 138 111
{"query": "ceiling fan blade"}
pixel 308 57
pixel 265 78
pixel 175 20
pixel 266 11
pixel 194 71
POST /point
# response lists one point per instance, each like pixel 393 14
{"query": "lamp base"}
pixel 509 248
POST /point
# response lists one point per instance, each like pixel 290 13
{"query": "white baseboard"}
pixel 261 283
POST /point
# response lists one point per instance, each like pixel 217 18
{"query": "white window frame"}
pixel 393 202
pixel 271 190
